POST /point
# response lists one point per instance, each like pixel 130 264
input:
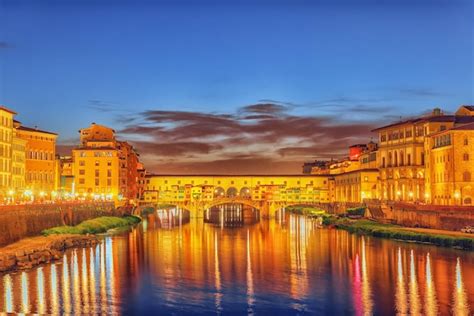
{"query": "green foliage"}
pixel 93 226
pixel 366 227
pixel 305 210
pixel 356 211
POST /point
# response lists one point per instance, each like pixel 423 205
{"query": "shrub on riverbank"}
pixel 305 210
pixel 371 228
pixel 94 226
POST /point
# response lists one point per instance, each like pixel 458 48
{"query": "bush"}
pixel 93 226
pixel 357 211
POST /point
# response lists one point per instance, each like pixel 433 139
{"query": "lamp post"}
pixel 457 197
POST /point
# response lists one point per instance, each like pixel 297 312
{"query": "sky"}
pixel 233 86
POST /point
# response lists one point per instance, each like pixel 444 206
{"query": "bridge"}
pixel 265 193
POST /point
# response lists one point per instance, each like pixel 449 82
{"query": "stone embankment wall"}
pixel 430 216
pixel 20 221
pixel 31 252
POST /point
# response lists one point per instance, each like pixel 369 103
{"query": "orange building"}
pixel 40 163
pixel 6 135
pixel 103 166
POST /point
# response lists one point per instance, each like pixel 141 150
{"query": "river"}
pixel 231 263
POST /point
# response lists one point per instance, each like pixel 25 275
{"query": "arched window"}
pixel 468 201
pixel 401 158
pixel 466 176
pixel 395 159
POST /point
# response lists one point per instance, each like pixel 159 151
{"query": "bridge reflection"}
pixel 231 215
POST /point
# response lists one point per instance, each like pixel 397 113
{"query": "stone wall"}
pixel 433 216
pixel 19 221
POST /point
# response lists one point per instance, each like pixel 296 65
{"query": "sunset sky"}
pixel 246 86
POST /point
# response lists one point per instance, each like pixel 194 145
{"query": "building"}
pixel 310 167
pixel 40 164
pixel 6 136
pixel 18 170
pixel 355 186
pixel 104 167
pixel 403 147
pixel 141 180
pixel 66 186
pixel 450 166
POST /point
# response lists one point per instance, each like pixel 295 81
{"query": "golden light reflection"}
pixel 85 282
pixel 431 305
pixel 250 290
pixel 366 291
pixel 76 289
pixel 25 300
pixel 401 296
pixel 54 290
pixel 415 306
pixel 460 304
pixel 40 287
pixel 217 274
pixel 66 286
pixel 8 294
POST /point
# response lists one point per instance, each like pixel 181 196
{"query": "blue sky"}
pixel 342 63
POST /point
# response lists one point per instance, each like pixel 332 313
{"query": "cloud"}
pixel 103 106
pixel 419 92
pixel 266 135
pixel 5 45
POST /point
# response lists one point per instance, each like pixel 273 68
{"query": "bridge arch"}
pixel 219 192
pixel 245 192
pixel 232 192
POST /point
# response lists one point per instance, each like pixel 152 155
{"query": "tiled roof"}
pixel 469 107
pixel 29 129
pixel 4 108
pixel 457 119
pixel 464 127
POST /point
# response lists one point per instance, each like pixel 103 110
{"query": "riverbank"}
pixel 94 226
pixel 30 252
pixel 371 228
pixel 305 210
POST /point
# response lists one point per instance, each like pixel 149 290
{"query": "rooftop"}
pixel 4 108
pixel 29 129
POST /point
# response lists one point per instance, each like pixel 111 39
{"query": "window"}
pixel 109 182
pixel 409 159
pixel 96 182
pixel 466 176
pixel 82 163
pixel 81 181
pixel 97 163
pixel 82 172
pixel 109 174
pixel 82 154
pixel 97 172
pixel 466 141
pixel 109 163
pixel 465 157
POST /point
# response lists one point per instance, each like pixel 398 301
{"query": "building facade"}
pixel 6 137
pixel 103 167
pixel 403 150
pixel 40 161
pixel 450 166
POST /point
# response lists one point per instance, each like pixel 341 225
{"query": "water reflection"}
pixel 231 215
pixel 284 266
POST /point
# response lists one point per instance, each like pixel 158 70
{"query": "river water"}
pixel 231 263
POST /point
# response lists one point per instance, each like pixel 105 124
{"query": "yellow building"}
pixel 40 167
pixel 96 172
pixel 402 150
pixel 104 166
pixel 18 165
pixel 6 136
pixel 355 186
pixel 450 166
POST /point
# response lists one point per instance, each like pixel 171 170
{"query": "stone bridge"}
pixel 267 208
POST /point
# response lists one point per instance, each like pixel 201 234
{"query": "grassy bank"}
pixel 94 226
pixel 305 210
pixel 371 228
